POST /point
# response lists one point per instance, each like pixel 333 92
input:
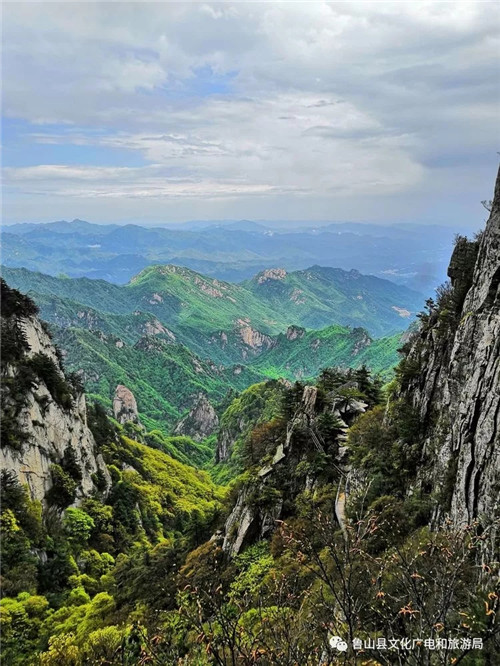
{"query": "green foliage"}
pixel 63 490
pixel 249 423
pixel 159 486
pixel 45 368
pixel 388 451
pixel 103 644
pixel 21 530
pixel 13 341
pixel 21 619
pixel 78 527
pixel 100 425
pixel 70 465
pixel 339 346
pixel 253 565
pixel 262 440
pixel 14 303
pixel 18 564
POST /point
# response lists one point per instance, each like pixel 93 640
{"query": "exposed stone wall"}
pixel 125 405
pixel 457 392
pixel 200 422
pixel 50 428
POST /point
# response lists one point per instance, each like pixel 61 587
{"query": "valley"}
pixel 250 334
pixel 171 333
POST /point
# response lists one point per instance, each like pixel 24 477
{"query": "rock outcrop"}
pixel 457 388
pixel 225 440
pixel 295 332
pixel 255 339
pixel 252 519
pixel 201 420
pixel 44 417
pixel 271 274
pixel 125 405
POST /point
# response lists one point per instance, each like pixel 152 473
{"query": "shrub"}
pixel 77 526
pixel 62 652
pixel 15 303
pixel 63 490
pixel 70 464
pixel 45 368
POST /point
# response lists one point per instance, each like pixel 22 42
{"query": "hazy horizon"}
pixel 282 225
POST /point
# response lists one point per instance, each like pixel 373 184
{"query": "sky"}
pixel 164 112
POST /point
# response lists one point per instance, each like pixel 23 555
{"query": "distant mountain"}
pixel 171 334
pixel 410 254
pixel 197 308
pixel 238 225
pixel 320 296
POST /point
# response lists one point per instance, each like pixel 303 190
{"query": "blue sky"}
pixel 163 112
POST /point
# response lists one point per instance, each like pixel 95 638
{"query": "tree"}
pixel 77 526
pixel 62 652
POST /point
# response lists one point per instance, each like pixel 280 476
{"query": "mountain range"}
pixel 171 333
pixel 193 305
pixel 410 254
pixel 334 511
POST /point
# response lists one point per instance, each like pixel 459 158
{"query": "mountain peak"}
pixel 271 274
pixel 162 269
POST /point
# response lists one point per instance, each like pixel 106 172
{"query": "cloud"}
pixel 150 182
pixel 328 105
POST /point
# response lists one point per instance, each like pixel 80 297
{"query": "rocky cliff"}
pixel 291 460
pixel 44 419
pixel 125 405
pixel 455 387
pixel 201 420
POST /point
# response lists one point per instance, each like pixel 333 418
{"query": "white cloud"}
pixel 324 102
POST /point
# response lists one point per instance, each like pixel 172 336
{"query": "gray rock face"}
pixel 227 436
pixel 247 521
pixel 200 422
pixel 295 332
pixel 458 391
pixel 125 405
pixel 224 444
pixel 50 429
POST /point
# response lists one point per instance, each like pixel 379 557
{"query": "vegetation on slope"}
pixel 73 603
pixel 307 354
pixel 259 404
pixel 196 306
pixel 318 297
pixel 152 335
pixel 133 578
pixel 163 377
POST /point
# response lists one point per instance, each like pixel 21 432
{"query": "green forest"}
pixel 258 558
pixel 250 333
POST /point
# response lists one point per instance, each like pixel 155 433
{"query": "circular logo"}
pixel 338 643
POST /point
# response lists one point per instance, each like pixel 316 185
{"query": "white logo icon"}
pixel 338 644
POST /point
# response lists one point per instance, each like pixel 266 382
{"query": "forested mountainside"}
pixel 196 306
pixel 355 511
pixel 171 327
pixel 410 254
